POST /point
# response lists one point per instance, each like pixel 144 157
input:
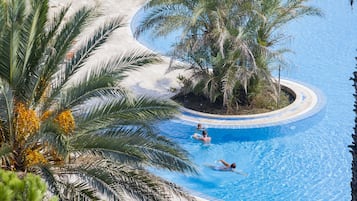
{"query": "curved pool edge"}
pixel 309 101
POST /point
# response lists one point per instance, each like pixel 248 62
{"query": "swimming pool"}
pixel 304 160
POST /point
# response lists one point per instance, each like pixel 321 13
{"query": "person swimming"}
pixel 200 127
pixel 226 167
pixel 204 137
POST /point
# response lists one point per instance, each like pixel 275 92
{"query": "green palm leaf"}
pixel 119 109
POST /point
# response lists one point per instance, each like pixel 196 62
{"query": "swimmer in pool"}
pixel 204 137
pixel 226 167
pixel 200 127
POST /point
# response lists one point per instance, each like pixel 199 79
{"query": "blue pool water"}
pixel 304 160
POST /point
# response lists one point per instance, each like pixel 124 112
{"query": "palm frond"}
pixel 163 20
pixel 135 146
pixel 2 18
pixel 105 76
pixel 99 37
pixel 135 183
pixel 49 177
pixel 7 106
pixel 77 190
pixel 16 13
pixel 142 185
pixel 86 174
pixel 71 29
pixel 51 135
pixel 29 59
pixel 229 83
pixel 45 50
pixel 117 151
pixel 91 91
pixel 115 110
pixel 33 28
pixel 161 159
pixel 73 65
pixel 6 153
pixel 62 42
pixel 53 25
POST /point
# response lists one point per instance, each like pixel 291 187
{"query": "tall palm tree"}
pixel 233 38
pixel 72 123
pixel 204 25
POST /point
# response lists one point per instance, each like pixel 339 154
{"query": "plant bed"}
pixel 261 104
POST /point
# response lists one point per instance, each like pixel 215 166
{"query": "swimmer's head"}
pixel 204 133
pixel 199 126
pixel 233 165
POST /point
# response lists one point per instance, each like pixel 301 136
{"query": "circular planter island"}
pixel 308 101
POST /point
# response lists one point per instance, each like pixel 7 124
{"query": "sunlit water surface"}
pixel 304 160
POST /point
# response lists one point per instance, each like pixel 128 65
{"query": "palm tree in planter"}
pixel 230 45
pixel 202 39
pixel 72 123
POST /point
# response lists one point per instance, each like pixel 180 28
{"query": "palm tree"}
pixel 230 45
pixel 72 123
pixel 204 29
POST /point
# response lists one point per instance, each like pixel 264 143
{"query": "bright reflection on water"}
pixel 305 160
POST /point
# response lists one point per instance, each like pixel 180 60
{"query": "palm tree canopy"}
pixel 231 45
